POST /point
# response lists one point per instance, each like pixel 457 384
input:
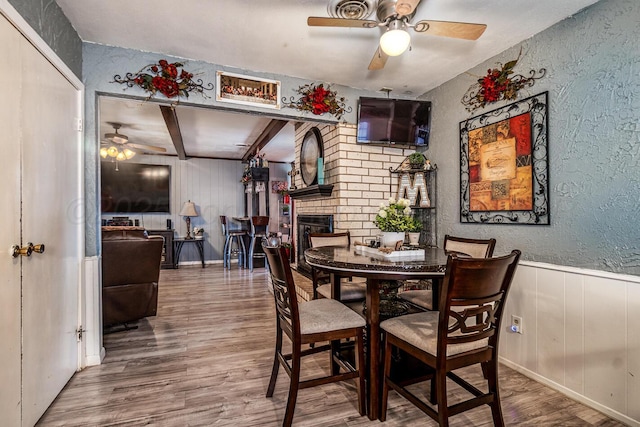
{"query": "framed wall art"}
pixel 504 171
pixel 247 90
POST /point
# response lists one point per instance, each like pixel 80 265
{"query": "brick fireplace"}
pixel 360 177
pixel 307 224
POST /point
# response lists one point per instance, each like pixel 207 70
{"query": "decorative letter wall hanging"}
pixel 411 191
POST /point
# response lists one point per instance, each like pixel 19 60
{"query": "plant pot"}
pixel 390 238
pixel 414 238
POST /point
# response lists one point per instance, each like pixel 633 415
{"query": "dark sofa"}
pixel 130 272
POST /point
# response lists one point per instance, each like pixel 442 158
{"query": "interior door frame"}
pixel 84 289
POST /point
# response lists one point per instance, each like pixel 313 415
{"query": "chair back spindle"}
pixel 284 291
pixel 471 300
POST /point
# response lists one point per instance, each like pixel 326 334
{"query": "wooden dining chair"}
pixel 350 290
pixel 453 338
pixel 476 248
pixel 312 322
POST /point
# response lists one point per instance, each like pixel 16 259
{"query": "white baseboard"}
pixel 208 262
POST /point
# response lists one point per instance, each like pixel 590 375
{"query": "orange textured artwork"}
pixel 500 166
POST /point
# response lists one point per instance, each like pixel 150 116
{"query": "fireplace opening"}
pixel 308 224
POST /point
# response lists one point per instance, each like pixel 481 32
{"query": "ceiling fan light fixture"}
pixel 104 153
pixel 395 41
pixel 128 153
pixel 120 156
pixel 112 151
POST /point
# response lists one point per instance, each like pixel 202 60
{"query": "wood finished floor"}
pixel 205 360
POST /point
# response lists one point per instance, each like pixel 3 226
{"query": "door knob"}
pixel 39 248
pixel 24 251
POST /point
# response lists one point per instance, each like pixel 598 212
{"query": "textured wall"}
pixel 48 20
pixel 593 65
pixel 101 63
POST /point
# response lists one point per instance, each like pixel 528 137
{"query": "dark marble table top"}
pixel 350 260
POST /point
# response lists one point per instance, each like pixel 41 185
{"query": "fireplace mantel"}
pixel 312 191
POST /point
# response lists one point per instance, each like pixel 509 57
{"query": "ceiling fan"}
pixel 395 16
pixel 118 147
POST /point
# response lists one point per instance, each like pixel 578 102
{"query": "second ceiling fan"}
pixel 395 16
pixel 117 145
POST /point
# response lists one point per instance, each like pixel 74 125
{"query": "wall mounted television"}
pixel 384 121
pixel 135 188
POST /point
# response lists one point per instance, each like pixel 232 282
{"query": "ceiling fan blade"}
pixel 147 147
pixel 458 30
pixel 315 21
pixel 379 60
pixel 406 7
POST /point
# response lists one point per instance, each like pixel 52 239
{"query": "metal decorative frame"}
pixel 516 136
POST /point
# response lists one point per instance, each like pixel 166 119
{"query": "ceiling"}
pixel 273 37
pixel 204 132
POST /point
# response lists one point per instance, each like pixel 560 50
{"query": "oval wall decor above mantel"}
pixel 310 151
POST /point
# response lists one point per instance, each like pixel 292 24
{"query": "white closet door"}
pixel 50 204
pixel 10 229
pixel 40 182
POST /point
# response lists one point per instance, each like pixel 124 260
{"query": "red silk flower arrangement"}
pixel 497 85
pixel 318 100
pixel 166 78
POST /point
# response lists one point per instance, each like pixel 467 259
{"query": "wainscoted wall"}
pixel 93 352
pixel 359 173
pixel 581 335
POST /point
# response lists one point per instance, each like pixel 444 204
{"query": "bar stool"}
pixel 259 230
pixel 233 230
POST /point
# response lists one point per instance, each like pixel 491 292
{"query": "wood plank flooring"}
pixel 205 360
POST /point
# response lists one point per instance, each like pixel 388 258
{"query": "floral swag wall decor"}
pixel 318 100
pixel 499 84
pixel 164 77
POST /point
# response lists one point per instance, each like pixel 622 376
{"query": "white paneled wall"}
pixel 213 185
pixel 581 335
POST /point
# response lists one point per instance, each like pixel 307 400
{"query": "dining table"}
pixel 377 268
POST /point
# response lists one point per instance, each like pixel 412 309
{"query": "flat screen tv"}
pixel 135 188
pixel 384 121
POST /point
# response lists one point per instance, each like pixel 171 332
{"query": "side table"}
pixel 178 248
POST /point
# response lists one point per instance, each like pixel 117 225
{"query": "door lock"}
pixel 39 248
pixel 24 251
pixel 16 250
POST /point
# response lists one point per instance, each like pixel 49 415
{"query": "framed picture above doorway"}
pixel 246 90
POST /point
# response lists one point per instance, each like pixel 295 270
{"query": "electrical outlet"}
pixel 516 324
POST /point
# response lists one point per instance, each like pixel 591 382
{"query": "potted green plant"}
pixel 414 232
pixel 393 219
pixel 416 160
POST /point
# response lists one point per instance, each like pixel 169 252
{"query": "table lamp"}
pixel 188 210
